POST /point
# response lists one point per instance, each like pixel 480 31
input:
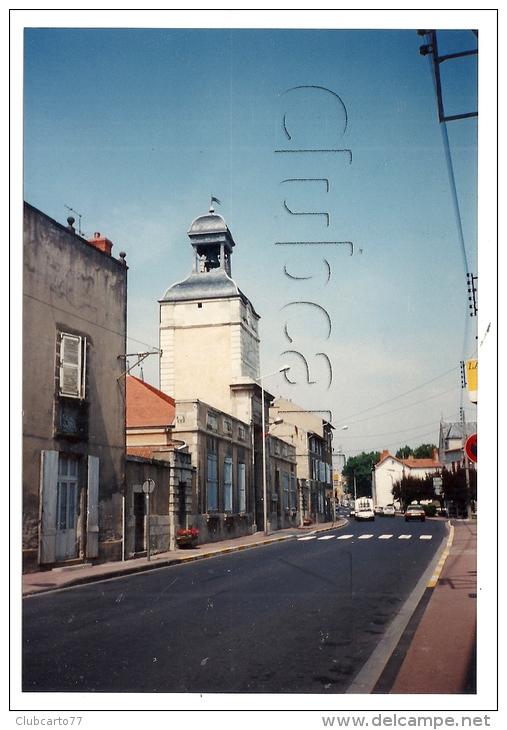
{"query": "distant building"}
pixel 451 444
pixel 312 437
pixel 74 332
pixel 390 470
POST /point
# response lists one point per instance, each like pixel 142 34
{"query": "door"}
pixel 66 509
pixel 139 513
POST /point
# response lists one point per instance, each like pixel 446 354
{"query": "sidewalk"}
pixel 439 653
pixel 67 576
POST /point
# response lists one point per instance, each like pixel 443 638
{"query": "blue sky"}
pixel 136 127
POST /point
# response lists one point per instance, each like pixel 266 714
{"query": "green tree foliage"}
pixel 404 453
pixel 424 451
pixel 454 486
pixel 411 489
pixel 360 467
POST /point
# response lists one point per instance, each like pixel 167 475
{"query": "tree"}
pixel 424 451
pixel 404 452
pixel 454 487
pixel 359 469
pixel 412 489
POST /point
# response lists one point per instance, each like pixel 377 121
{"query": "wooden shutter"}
pixel 49 488
pixel 92 526
pixel 72 366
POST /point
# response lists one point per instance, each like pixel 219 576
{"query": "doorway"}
pixel 66 509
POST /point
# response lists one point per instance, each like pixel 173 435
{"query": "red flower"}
pixel 191 532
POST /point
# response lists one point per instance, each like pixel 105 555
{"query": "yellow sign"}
pixel 471 375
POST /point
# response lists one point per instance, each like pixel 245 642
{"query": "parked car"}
pixel 415 512
pixel 389 511
pixel 379 510
pixel 365 513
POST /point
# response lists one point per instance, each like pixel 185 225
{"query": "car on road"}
pixel 415 512
pixel 389 511
pixel 364 513
pixel 378 510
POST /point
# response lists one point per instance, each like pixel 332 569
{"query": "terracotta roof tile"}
pixel 146 405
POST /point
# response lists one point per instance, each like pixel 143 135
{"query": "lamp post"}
pixel 264 480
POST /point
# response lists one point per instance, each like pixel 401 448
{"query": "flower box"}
pixel 187 538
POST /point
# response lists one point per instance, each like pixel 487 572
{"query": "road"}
pixel 299 616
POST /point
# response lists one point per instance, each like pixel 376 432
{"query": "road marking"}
pixel 384 537
pixel 308 537
pixel 425 537
pixel 404 537
pixel 365 537
pixel 344 537
pixel 326 537
pixel 436 574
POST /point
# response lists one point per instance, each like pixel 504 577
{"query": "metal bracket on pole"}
pixel 140 355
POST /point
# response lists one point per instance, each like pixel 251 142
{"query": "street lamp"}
pixel 264 481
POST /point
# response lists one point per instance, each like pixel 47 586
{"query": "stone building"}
pixel 209 341
pixel 74 333
pixel 311 436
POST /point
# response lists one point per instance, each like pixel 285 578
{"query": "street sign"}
pixel 437 485
pixel 148 486
pixel 471 448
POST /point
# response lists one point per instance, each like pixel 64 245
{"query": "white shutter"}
pixel 49 488
pixel 92 504
pixel 72 366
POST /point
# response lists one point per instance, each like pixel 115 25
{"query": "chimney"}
pixel 102 243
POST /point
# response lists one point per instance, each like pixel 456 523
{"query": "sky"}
pixel 351 254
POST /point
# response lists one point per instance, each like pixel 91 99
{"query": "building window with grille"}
pixel 286 497
pixel 241 488
pixel 212 482
pixel 228 484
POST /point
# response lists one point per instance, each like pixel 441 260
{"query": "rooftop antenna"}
pixel 78 219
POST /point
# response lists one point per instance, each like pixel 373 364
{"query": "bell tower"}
pixel 209 328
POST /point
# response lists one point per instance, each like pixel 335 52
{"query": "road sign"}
pixel 148 486
pixel 471 448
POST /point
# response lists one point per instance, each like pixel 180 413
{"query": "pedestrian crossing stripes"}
pixel 364 536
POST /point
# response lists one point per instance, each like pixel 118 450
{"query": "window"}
pixel 241 433
pixel 241 488
pixel 293 503
pixel 227 426
pixel 66 510
pixel 72 366
pixel 212 421
pixel 286 499
pixel 228 484
pixel 212 482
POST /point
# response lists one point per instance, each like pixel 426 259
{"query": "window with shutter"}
pixel 72 366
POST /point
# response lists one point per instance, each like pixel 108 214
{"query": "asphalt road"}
pixel 299 616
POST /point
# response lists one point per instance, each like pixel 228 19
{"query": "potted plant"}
pixel 187 537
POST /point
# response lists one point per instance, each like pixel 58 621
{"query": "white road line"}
pixel 365 537
pixel 404 537
pixel 344 537
pixel 308 537
pixel 425 537
pixel 384 537
pixel 326 537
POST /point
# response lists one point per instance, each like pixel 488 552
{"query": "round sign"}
pixel 148 486
pixel 471 448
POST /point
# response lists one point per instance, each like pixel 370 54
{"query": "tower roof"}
pixel 211 278
pixel 209 223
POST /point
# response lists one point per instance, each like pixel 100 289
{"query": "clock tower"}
pixel 208 328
